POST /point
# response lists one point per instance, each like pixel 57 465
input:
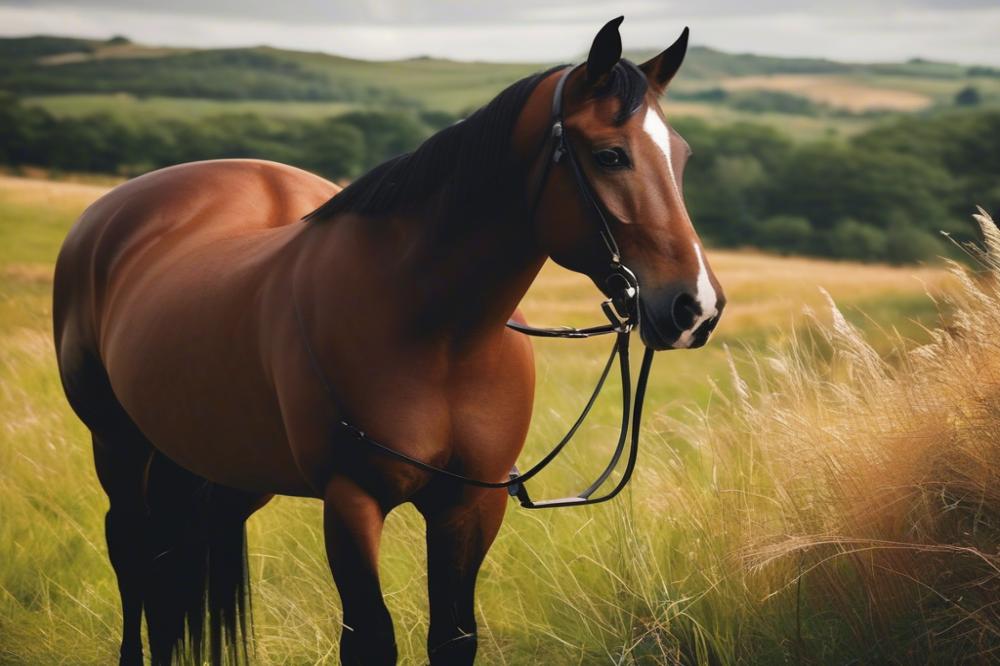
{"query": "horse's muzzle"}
pixel 672 318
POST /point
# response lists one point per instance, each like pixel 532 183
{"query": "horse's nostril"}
pixel 709 325
pixel 684 311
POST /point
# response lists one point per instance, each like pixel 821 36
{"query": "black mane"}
pixel 469 163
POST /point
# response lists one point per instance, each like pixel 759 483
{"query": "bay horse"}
pixel 185 301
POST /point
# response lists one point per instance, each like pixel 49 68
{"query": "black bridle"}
pixel 622 311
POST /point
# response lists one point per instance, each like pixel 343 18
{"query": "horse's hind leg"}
pixel 458 537
pixel 121 470
pixel 177 545
pixel 352 521
pixel 121 455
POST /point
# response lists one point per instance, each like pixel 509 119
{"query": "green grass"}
pixel 798 127
pixel 654 575
pixel 448 85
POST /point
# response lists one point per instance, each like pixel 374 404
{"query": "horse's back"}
pixel 138 235
pixel 175 209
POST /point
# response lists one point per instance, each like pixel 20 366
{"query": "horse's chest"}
pixel 490 406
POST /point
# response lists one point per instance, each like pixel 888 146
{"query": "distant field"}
pixel 941 90
pixel 439 84
pixel 542 587
pixel 800 127
pixel 834 91
pixel 866 91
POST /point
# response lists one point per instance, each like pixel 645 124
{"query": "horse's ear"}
pixel 661 69
pixel 605 52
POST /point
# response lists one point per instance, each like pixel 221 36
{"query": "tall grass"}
pixel 855 501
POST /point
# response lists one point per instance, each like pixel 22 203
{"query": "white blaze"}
pixel 657 130
pixel 705 294
pixel 706 298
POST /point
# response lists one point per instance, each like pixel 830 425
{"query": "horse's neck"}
pixel 459 278
pixel 469 275
pixel 467 278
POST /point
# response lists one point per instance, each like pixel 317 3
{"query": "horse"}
pixel 193 306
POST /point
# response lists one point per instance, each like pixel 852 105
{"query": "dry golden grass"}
pixel 873 489
pixel 835 91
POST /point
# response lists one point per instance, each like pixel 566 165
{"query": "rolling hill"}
pixel 46 66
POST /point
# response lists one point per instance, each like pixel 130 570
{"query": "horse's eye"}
pixel 612 158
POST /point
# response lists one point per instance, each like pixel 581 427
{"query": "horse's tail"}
pixel 197 569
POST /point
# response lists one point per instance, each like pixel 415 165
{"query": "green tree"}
pixel 24 132
pixel 907 244
pixel 335 150
pixel 968 96
pixel 850 238
pixel 826 182
pixel 437 120
pixel 787 234
pixel 386 133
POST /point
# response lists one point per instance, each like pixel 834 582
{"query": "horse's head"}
pixel 633 163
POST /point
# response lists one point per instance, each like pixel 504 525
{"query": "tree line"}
pixel 883 195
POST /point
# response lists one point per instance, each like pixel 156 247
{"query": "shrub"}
pixel 788 234
pixel 905 244
pixel 764 101
pixel 850 238
pixel 968 96
pixel 335 148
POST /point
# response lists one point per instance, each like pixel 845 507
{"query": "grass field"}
pixel 698 562
pixel 834 91
pixel 866 91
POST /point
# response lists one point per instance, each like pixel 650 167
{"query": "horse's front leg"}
pixel 458 536
pixel 353 522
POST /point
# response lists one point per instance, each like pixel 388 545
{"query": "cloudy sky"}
pixel 966 31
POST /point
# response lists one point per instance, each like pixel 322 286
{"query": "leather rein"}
pixel 623 315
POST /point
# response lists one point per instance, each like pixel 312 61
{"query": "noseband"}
pixel 621 309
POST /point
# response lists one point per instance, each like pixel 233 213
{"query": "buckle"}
pixel 518 490
pixel 621 308
pixel 622 323
pixel 557 134
pixel 514 488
